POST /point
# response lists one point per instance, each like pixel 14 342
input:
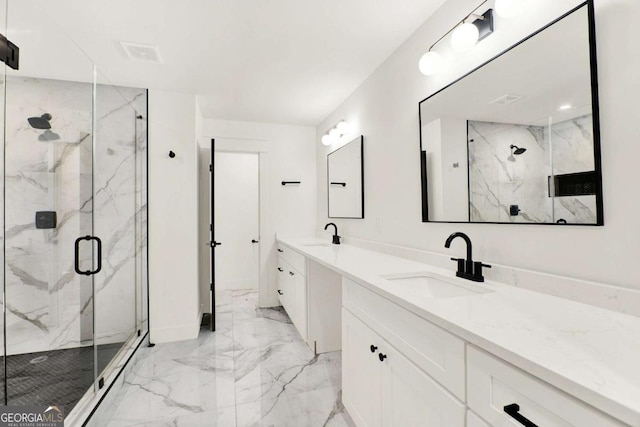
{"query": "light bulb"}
pixel 508 8
pixel 430 63
pixel 464 37
pixel 326 140
pixel 343 127
pixel 334 134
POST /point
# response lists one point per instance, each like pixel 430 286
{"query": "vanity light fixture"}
pixel 465 35
pixel 335 133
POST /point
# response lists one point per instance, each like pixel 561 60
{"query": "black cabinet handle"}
pixel 512 411
pixel 280 270
pixel 382 357
pixel 255 241
pixel 280 292
pixel 280 250
pixel 291 273
pixel 77 255
pixel 373 348
pixel 213 244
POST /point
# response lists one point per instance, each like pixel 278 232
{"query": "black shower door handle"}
pixel 77 255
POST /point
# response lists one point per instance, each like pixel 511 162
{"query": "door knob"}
pixel 373 348
pixel 382 357
pixel 255 241
pixel 213 244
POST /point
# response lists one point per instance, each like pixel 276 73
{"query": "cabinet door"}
pixel 281 280
pixel 299 283
pixel 361 372
pixel 411 398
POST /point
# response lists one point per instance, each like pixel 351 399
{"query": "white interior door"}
pixel 237 220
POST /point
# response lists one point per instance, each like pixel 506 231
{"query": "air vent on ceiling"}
pixel 506 99
pixel 142 52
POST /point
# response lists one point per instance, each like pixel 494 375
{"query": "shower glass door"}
pixel 49 262
pixel 74 225
pixel 116 215
pixel 3 31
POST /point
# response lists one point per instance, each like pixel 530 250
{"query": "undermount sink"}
pixel 426 285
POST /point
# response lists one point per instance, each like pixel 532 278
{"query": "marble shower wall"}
pixel 48 305
pixel 499 179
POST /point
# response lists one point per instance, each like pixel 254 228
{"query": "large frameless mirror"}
pixel 517 140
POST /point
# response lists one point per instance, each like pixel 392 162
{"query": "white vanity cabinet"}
pixel 493 385
pixel 292 287
pixel 383 387
pixel 401 370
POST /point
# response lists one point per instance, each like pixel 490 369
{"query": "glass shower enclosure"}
pixel 74 223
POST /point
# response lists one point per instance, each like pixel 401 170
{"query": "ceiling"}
pixel 277 61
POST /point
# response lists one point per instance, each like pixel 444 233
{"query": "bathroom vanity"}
pixel 423 347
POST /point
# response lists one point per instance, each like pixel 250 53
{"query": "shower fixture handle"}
pixel 77 255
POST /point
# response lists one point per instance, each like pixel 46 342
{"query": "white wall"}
pixel 173 217
pixel 288 154
pixel 385 110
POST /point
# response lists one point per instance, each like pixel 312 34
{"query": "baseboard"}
pixel 176 333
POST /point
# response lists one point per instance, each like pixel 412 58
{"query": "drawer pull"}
pixel 382 357
pixel 373 348
pixel 280 292
pixel 280 250
pixel 291 273
pixel 512 411
pixel 280 270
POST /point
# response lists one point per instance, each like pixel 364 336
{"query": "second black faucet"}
pixel 336 238
pixel 467 269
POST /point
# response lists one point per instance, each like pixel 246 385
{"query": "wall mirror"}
pixel 517 140
pixel 345 180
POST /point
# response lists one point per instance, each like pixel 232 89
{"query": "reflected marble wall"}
pixel 48 305
pixel 499 179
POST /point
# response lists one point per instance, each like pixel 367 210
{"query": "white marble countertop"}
pixel 589 352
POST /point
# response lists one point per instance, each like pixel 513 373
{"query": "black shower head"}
pixel 41 122
pixel 518 150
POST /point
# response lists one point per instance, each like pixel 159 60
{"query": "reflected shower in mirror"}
pixel 345 180
pixel 517 140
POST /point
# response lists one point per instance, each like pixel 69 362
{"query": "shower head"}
pixel 41 122
pixel 518 150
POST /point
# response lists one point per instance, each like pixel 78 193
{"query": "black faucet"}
pixel 467 269
pixel 336 238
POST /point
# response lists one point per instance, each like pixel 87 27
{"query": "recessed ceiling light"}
pixel 565 107
pixel 142 52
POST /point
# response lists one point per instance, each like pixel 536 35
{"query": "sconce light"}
pixel 335 133
pixel 465 35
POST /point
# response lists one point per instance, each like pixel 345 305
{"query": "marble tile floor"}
pixel 255 370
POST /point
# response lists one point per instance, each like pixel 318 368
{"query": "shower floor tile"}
pixel 58 377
